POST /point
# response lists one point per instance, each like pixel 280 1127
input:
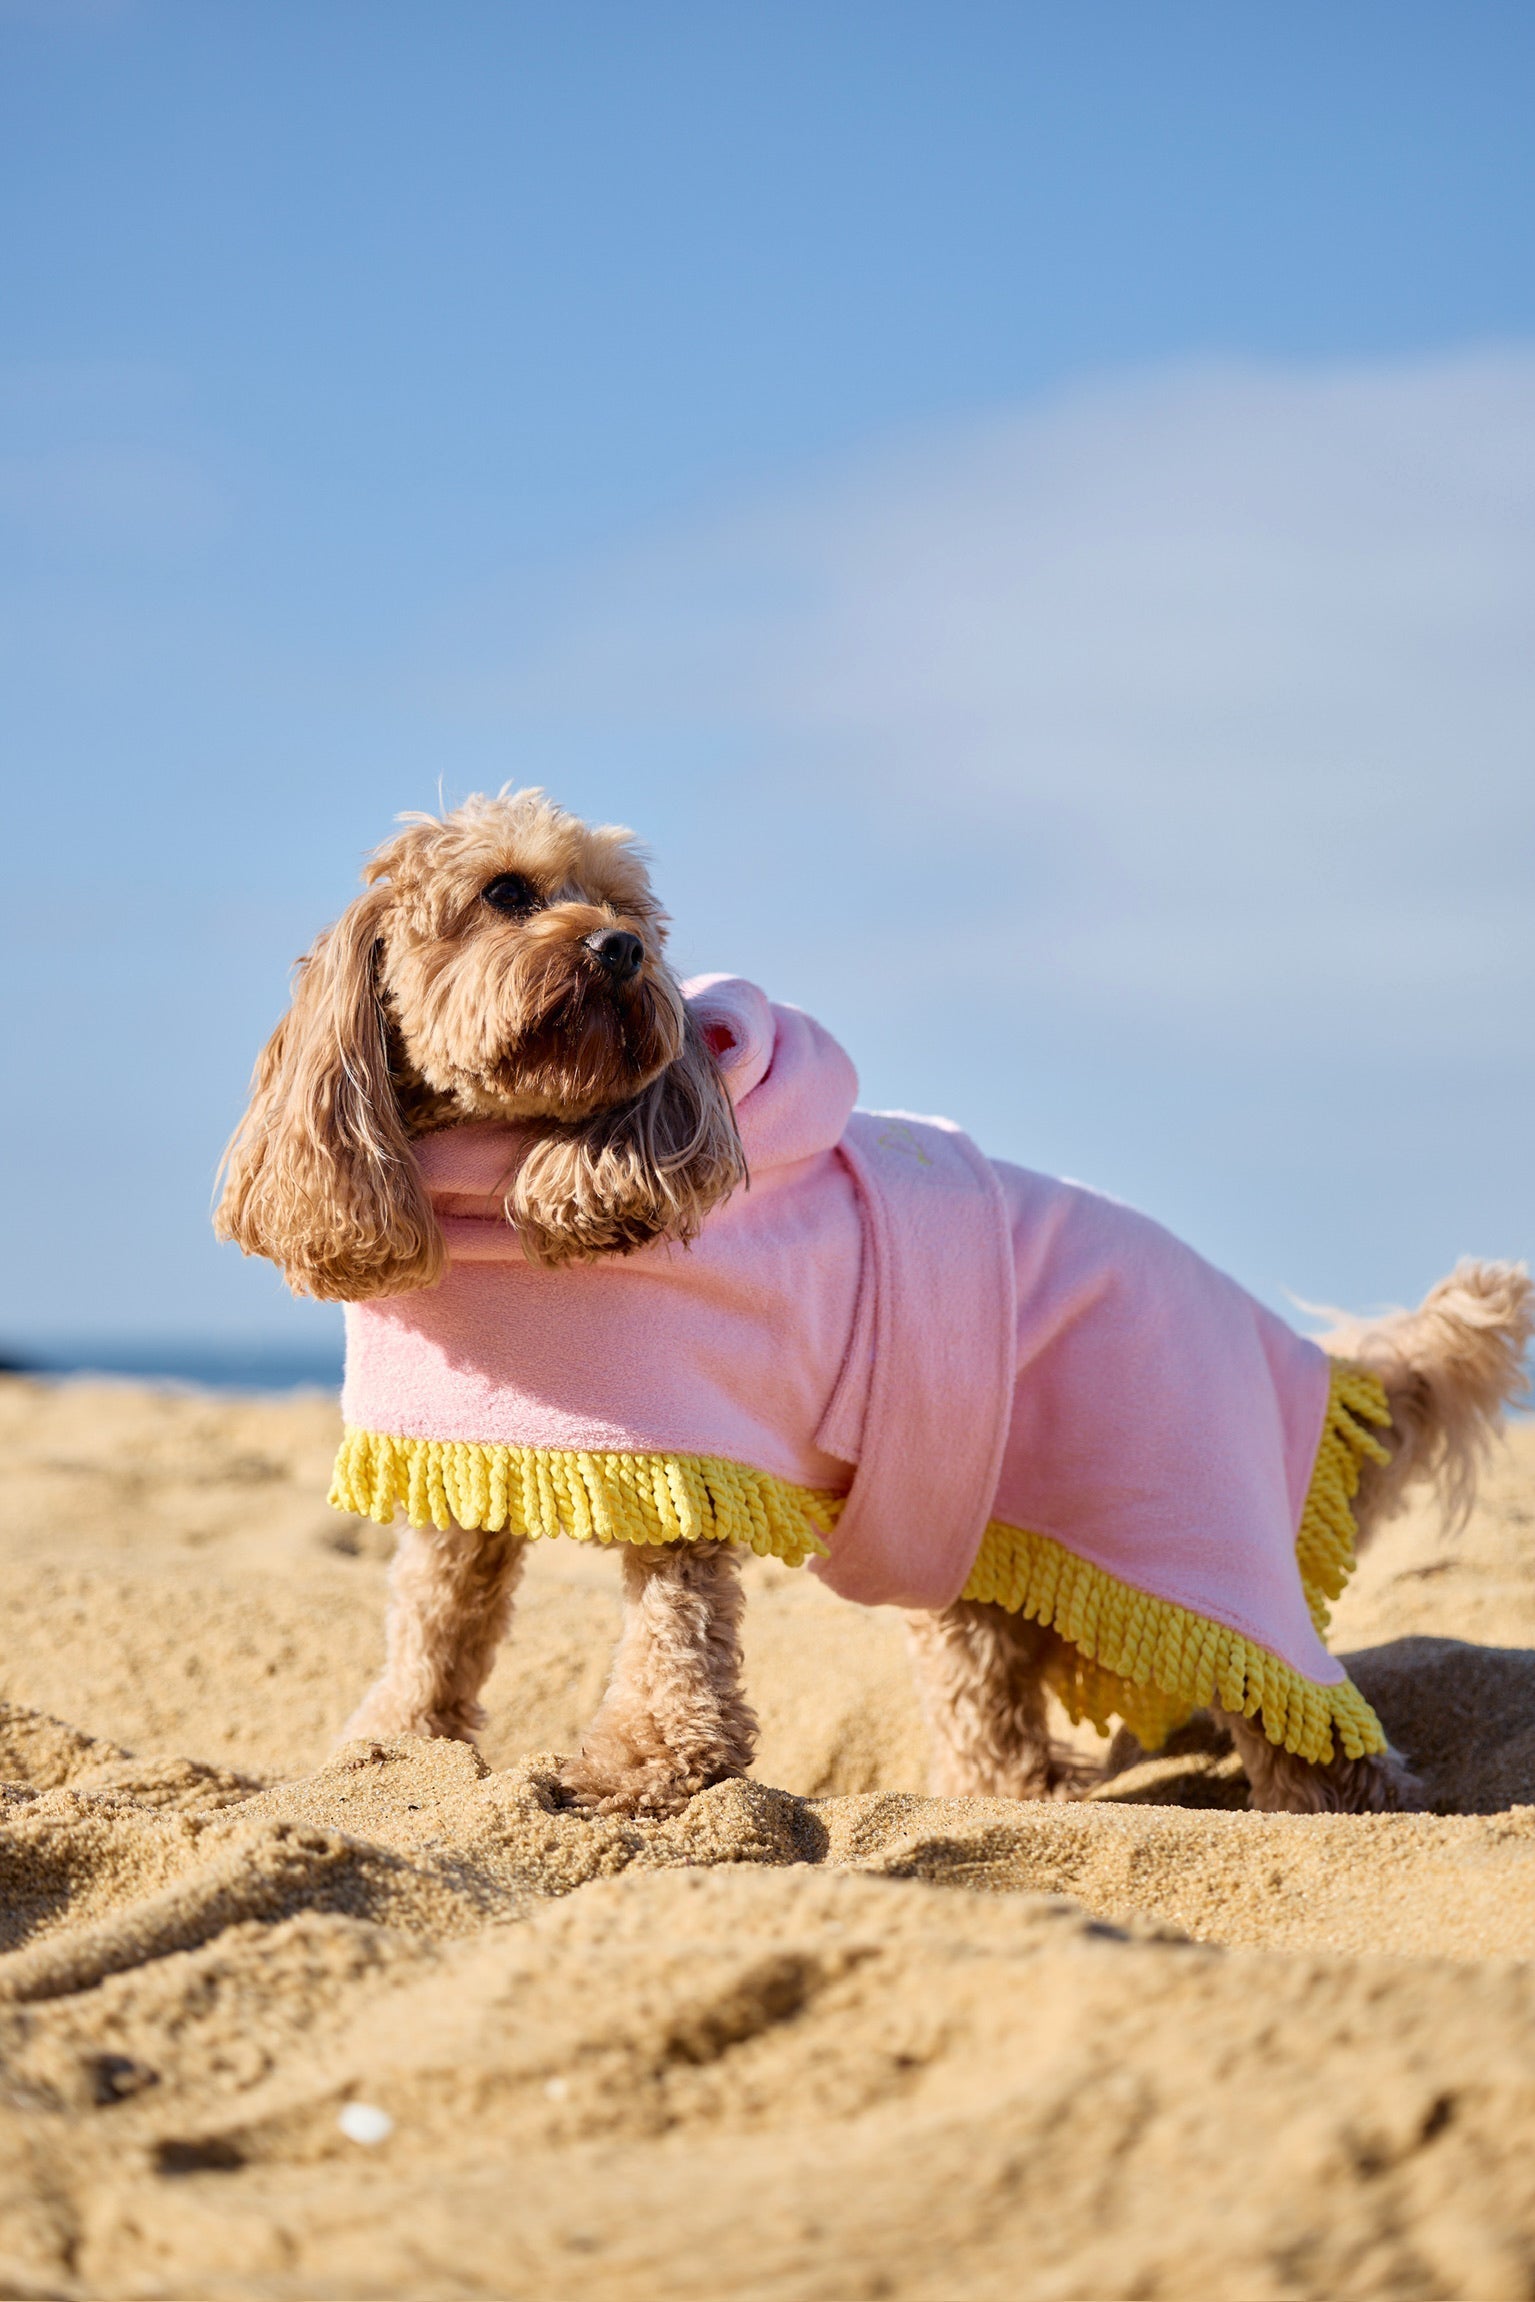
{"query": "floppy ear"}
pixel 319 1175
pixel 650 1169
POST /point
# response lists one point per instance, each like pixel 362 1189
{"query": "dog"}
pixel 500 991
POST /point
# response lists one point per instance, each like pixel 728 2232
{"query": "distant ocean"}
pixel 215 1365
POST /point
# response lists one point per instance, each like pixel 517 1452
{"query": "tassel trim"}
pixel 1121 1654
pixel 1324 1547
pixel 1151 1663
pixel 596 1498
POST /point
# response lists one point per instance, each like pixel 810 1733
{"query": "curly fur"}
pixel 425 1005
pixel 320 1175
pixel 1280 1783
pixel 980 1677
pixel 647 1169
pixel 674 1718
pixel 430 1003
pixel 1450 1370
pixel 451 1596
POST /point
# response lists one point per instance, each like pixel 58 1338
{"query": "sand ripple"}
pixel 829 2039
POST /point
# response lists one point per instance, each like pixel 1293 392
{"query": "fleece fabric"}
pixel 885 1314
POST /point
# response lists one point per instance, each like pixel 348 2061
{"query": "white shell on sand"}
pixel 364 2122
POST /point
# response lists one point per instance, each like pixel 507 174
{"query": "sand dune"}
pixel 820 2036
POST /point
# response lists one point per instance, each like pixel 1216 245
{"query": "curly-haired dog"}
pixel 495 1126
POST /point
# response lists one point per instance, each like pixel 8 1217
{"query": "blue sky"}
pixel 1028 510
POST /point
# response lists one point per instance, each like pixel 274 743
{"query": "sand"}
pixel 387 2022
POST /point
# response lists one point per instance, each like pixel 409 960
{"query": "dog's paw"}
pixel 652 1789
pixel 1399 1790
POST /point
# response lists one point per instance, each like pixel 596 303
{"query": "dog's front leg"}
pixel 674 1718
pixel 979 1674
pixel 450 1602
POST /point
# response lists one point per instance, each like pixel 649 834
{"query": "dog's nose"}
pixel 621 953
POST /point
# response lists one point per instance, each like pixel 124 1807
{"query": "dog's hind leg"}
pixel 450 1602
pixel 1450 1370
pixel 1281 1783
pixel 674 1717
pixel 979 1672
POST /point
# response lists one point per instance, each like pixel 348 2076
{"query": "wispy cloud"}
pixel 1226 673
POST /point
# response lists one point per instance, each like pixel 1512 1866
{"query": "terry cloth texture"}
pixel 929 1373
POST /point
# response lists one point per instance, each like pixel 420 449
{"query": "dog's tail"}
pixel 1450 1370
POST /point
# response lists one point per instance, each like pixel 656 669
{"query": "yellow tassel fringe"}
pixel 1151 1664
pixel 1125 1655
pixel 535 1491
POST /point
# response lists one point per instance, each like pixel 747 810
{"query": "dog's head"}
pixel 504 962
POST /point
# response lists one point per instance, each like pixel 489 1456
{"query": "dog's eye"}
pixel 510 892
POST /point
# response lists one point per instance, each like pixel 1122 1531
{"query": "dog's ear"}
pixel 320 1175
pixel 649 1169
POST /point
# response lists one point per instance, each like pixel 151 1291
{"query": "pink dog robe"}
pixel 934 1374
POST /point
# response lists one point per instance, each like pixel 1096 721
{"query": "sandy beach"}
pixel 279 2021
